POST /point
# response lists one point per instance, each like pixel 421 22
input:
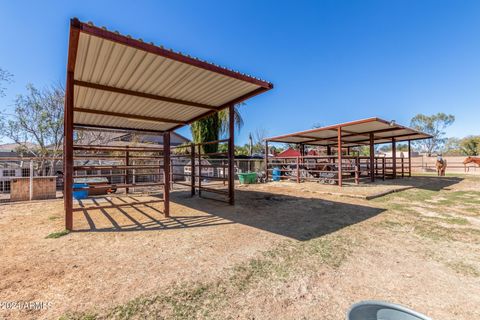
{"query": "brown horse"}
pixel 441 167
pixel 471 160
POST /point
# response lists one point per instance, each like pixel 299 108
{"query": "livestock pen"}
pixel 343 166
pixel 118 83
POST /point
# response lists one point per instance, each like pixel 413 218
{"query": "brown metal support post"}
pixel 127 162
pixel 394 158
pixel 329 151
pixel 409 159
pixel 339 151
pixel 68 153
pixel 231 154
pixel 372 158
pixel 166 174
pixel 192 168
pixel 266 160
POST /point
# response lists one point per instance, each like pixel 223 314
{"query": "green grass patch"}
pixel 75 316
pixel 51 218
pixel 456 220
pixel 55 235
pixel 434 232
pixel 464 269
pixel 390 224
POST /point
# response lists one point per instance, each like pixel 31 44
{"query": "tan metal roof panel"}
pixel 354 133
pixel 115 74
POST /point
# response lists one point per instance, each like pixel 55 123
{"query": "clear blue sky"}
pixel 330 61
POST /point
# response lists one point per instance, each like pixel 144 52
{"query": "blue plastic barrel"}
pixel 276 174
pixel 80 194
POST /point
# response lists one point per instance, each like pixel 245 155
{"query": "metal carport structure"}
pixel 116 82
pixel 365 132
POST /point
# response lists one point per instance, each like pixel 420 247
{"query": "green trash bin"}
pixel 247 177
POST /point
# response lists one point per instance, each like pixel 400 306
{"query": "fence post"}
pixel 394 160
pixel 31 180
pixel 383 168
pixel 192 169
pixel 199 171
pixel 409 159
pixel 357 170
pixel 266 161
pixel 127 162
pixel 403 168
pixel 298 169
pixel 224 171
pixel 133 177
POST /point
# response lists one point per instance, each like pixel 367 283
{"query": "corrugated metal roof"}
pixel 354 133
pixel 142 86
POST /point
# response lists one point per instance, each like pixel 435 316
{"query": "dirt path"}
pixel 338 251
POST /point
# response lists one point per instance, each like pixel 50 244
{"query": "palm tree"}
pixel 213 127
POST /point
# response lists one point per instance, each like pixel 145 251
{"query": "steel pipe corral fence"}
pixel 148 169
pixel 325 169
pixel 455 164
pixel 113 168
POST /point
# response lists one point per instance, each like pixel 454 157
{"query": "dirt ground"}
pixel 282 252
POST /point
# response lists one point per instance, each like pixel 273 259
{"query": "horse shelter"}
pixel 115 82
pixel 343 166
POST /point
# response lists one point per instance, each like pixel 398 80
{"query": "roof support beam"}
pixel 226 105
pixel 142 95
pixel 385 138
pixel 333 138
pixel 351 134
pixel 79 126
pixel 127 116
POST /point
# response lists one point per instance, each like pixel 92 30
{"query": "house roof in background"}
pixel 12 147
pixel 289 153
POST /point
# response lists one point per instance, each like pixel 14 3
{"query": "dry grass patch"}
pixel 216 299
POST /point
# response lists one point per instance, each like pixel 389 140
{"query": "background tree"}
pixel 470 145
pixel 259 136
pixel 434 125
pixel 213 127
pixel 5 77
pixel 37 124
pixel 452 147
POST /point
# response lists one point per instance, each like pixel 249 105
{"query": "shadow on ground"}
pixel 432 183
pixel 300 218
